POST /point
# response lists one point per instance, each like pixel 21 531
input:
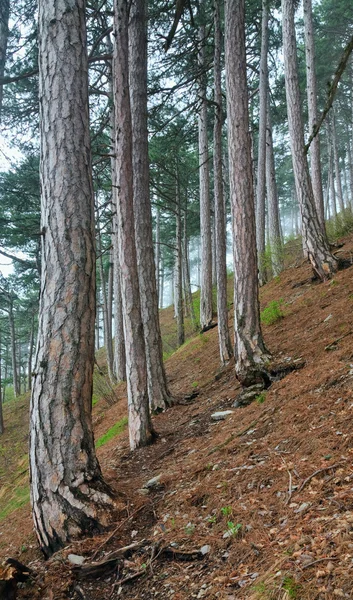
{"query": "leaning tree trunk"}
pixel 225 347
pixel 274 223
pixel 140 427
pixel 4 33
pixel 158 392
pixel 68 494
pixel 316 175
pixel 261 164
pixel 205 212
pixel 316 247
pixel 250 351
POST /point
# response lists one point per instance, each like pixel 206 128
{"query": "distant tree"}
pixel 4 32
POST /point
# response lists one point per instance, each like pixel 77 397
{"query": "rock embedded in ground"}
pixel 248 395
pixel 221 415
pixel 75 559
pixel 153 483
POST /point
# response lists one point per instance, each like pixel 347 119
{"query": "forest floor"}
pixel 256 506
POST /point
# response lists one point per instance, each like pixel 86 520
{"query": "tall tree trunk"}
pixel 68 493
pixel 323 262
pixel 205 213
pixel 316 175
pixel 186 270
pixel 2 428
pixel 108 341
pixel 119 340
pixel 350 166
pixel 274 223
pixel 140 427
pixel 30 354
pixel 158 393
pixel 14 361
pixel 261 165
pixel 178 298
pixel 250 351
pixel 4 33
pixel 161 287
pixel 225 347
pixel 158 250
pixel 336 163
pixel 97 323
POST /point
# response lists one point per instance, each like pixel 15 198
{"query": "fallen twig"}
pixel 329 346
pixel 306 481
pixel 111 535
pixel 314 562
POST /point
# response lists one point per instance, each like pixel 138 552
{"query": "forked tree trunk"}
pixel 205 213
pixel 225 347
pixel 140 427
pixel 316 247
pixel 274 223
pixel 250 351
pixel 158 393
pixel 261 164
pixel 68 494
pixel 316 175
pixel 4 33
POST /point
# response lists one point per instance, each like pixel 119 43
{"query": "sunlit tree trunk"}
pixel 261 164
pixel 225 347
pixel 68 494
pixel 316 176
pixel 140 427
pixel 250 352
pixel 158 393
pixel 205 213
pixel 323 262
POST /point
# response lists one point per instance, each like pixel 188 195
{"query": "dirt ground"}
pixel 256 506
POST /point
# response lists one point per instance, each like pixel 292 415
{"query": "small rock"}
pixel 153 483
pixel 221 415
pixel 201 594
pixel 205 549
pixel 75 559
pixel 143 492
pixel 327 318
pixel 303 507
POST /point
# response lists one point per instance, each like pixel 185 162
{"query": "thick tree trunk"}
pixel 140 427
pixel 4 32
pixel 178 282
pixel 68 494
pixel 274 223
pixel 316 175
pixel 225 347
pixel 261 164
pixel 250 351
pixel 205 213
pixel 323 262
pixel 158 393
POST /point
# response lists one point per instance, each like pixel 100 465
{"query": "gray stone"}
pixel 205 549
pixel 221 415
pixel 248 395
pixel 75 559
pixel 153 483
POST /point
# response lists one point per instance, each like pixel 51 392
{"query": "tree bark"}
pixel 108 340
pixel 119 341
pixel 140 427
pixel 186 271
pixel 339 191
pixel 4 33
pixel 158 392
pixel 225 347
pixel 274 223
pixel 2 428
pixel 68 494
pixel 158 250
pixel 178 283
pixel 316 247
pixel 14 361
pixel 316 175
pixel 205 213
pixel 261 164
pixel 30 354
pixel 250 351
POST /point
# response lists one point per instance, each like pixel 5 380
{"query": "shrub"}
pixel 272 313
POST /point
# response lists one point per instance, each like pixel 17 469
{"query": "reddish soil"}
pixel 277 476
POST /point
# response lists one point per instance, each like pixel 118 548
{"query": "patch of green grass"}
pixel 260 399
pixel 19 498
pixel 291 587
pixel 112 432
pixel 272 313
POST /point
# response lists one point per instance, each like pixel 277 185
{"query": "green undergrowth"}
pixel 114 431
pixel 272 313
pixel 19 498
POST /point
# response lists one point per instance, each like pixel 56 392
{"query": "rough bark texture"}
pixel 261 162
pixel 4 32
pixel 107 324
pixel 140 429
pixel 274 223
pixel 205 214
pixel 225 347
pixel 316 175
pixel 250 351
pixel 158 393
pixel 119 341
pixel 68 493
pixel 314 241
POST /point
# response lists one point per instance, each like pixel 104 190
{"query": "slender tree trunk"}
pixel 337 164
pixel 205 213
pixel 332 185
pixel 158 249
pixel 323 262
pixel 14 361
pixel 110 297
pixel 161 290
pixel 186 270
pixel 97 323
pixel 108 340
pixel 316 175
pixel 350 167
pixel 119 341
pixel 261 165
pixel 4 33
pixel 250 351
pixel 68 494
pixel 30 354
pixel 274 223
pixel 158 392
pixel 225 347
pixel 140 427
pixel 178 298
pixel 2 428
